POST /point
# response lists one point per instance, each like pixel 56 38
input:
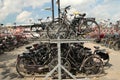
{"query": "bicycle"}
pixel 79 27
pixel 35 60
pixel 78 59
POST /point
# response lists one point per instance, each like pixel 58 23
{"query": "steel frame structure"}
pixel 59 67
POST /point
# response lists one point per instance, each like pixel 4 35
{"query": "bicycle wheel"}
pixel 1 51
pixel 56 29
pixel 89 29
pixel 116 46
pixel 21 67
pixel 110 44
pixel 92 65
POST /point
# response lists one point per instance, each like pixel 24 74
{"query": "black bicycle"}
pixel 77 59
pixel 79 27
pixel 35 60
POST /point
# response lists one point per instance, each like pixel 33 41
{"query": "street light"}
pixel 58 2
pixel 53 10
pixel 14 24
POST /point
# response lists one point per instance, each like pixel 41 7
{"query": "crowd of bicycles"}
pixel 110 38
pixel 75 57
pixel 110 34
pixel 10 42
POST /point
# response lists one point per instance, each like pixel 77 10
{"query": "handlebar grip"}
pixel 84 14
pixel 67 7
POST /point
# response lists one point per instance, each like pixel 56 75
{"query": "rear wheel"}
pixel 22 65
pixel 89 29
pixel 116 45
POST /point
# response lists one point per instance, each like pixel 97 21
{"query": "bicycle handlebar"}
pixel 84 14
pixel 67 7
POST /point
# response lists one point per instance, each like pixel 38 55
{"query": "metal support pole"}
pixel 74 78
pixel 51 72
pixel 59 60
pixel 52 10
pixel 59 47
pixel 58 8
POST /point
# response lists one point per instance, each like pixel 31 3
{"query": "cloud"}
pixel 8 7
pixel 78 4
pixel 34 3
pixel 101 9
pixel 23 17
pixel 105 9
pixel 108 10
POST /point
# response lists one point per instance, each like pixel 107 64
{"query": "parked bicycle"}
pixel 36 59
pixel 79 59
pixel 42 58
pixel 79 27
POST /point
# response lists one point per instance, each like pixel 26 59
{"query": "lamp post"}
pixel 58 8
pixel 52 10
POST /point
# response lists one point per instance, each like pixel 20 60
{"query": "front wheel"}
pixel 56 29
pixel 92 65
pixel 1 51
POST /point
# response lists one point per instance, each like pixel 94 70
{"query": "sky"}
pixel 27 11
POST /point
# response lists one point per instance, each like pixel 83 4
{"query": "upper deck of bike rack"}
pixel 66 40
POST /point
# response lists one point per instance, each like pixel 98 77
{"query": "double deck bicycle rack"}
pixel 58 41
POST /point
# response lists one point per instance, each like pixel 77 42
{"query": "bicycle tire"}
pixel 93 65
pixel 19 68
pixel 116 46
pixel 110 44
pixel 87 27
pixel 1 51
pixel 56 29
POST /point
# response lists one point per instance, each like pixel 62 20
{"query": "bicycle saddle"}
pixel 28 47
pixel 35 45
pixel 86 48
pixel 83 15
pixel 96 47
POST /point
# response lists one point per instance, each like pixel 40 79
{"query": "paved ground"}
pixel 8 60
pixel 113 72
